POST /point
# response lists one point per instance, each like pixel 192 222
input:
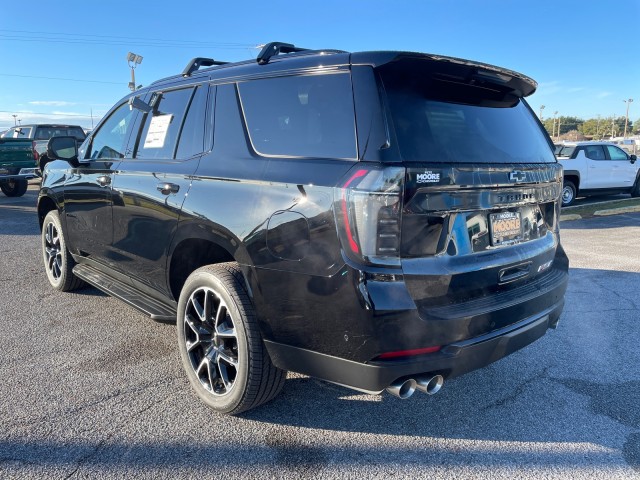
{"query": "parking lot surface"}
pixel 90 388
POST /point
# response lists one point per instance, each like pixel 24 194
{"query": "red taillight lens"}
pixel 35 153
pixel 408 353
pixel 368 213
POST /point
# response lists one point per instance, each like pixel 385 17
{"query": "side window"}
pixel 191 140
pixel 110 139
pixel 616 153
pixel 162 126
pixel 594 152
pixel 301 116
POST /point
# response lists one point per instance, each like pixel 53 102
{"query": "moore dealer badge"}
pixel 428 177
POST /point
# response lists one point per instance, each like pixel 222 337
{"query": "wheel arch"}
pixel 574 177
pixel 196 245
pixel 45 205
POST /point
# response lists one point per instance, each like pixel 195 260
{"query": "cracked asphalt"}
pixel 90 388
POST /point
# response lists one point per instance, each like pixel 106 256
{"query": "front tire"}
pixel 14 188
pixel 568 193
pixel 58 262
pixel 220 344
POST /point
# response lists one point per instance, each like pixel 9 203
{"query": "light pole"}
pixel 541 108
pixel 626 120
pixel 554 124
pixel 14 120
pixel 133 60
pixel 598 128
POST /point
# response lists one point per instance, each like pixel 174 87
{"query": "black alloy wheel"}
pixel 220 344
pixel 14 188
pixel 58 262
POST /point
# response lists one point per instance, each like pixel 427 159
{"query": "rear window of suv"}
pixel 457 123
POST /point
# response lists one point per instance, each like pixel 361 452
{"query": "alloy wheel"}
pixel 211 341
pixel 53 250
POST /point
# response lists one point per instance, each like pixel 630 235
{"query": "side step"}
pixel 156 309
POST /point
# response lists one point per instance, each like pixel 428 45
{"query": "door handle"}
pixel 167 188
pixel 104 180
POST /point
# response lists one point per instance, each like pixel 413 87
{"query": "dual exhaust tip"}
pixel 404 388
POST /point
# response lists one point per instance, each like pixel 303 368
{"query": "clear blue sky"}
pixel 583 54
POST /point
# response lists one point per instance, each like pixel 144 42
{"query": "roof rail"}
pixel 198 62
pixel 276 48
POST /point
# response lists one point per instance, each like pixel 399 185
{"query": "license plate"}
pixel 506 228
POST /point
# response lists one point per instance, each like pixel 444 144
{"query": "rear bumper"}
pixel 24 173
pixel 453 360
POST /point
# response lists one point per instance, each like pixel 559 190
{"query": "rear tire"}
pixel 14 188
pixel 220 344
pixel 636 189
pixel 568 193
pixel 58 262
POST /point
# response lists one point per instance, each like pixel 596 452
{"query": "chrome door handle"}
pixel 104 180
pixel 167 188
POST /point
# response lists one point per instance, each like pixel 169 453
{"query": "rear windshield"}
pixel 45 133
pixel 461 123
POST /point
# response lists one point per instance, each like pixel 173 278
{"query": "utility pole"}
pixel 14 120
pixel 133 60
pixel 626 120
pixel 598 128
pixel 553 134
pixel 541 108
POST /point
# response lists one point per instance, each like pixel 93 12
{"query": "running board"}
pixel 156 309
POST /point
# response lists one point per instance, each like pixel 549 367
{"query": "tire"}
pixel 58 262
pixel 14 188
pixel 220 344
pixel 568 193
pixel 636 189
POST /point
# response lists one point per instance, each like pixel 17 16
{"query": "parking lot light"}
pixel 133 60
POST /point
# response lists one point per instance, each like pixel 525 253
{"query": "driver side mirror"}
pixel 633 158
pixel 63 148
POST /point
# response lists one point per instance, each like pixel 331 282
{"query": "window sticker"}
pixel 157 132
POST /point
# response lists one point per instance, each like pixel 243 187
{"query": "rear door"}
pixel 149 188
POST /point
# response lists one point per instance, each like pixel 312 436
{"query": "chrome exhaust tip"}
pixel 430 385
pixel 402 389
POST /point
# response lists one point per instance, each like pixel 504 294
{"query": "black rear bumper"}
pixel 453 360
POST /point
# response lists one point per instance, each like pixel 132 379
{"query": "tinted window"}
pixel 45 133
pixel 461 123
pixel 308 116
pixel 76 132
pixel 192 137
pixel 111 138
pixel 616 154
pixel 162 126
pixel 594 152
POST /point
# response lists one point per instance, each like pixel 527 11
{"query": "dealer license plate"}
pixel 506 228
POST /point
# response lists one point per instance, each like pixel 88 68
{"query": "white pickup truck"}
pixel 597 168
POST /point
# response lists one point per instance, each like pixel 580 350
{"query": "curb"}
pixel 570 216
pixel 615 211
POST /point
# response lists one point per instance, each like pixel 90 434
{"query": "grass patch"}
pixel 588 210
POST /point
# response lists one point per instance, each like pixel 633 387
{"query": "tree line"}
pixel 574 128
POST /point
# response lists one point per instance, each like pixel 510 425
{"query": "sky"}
pixel 65 61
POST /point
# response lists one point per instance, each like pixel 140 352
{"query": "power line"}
pixel 221 44
pixel 59 78
pixel 54 114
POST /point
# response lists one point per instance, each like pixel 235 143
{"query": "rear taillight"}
pixel 35 152
pixel 368 207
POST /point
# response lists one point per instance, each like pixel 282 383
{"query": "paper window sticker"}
pixel 157 132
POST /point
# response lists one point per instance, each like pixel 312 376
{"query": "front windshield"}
pixel 566 151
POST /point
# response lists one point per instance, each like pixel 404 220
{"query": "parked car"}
pixel 597 168
pixel 17 166
pixel 39 135
pixel 380 220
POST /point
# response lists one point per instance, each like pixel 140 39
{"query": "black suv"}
pixel 380 220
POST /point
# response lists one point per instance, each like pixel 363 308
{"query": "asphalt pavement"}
pixel 90 388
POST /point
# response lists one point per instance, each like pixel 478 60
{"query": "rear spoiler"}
pixel 459 69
